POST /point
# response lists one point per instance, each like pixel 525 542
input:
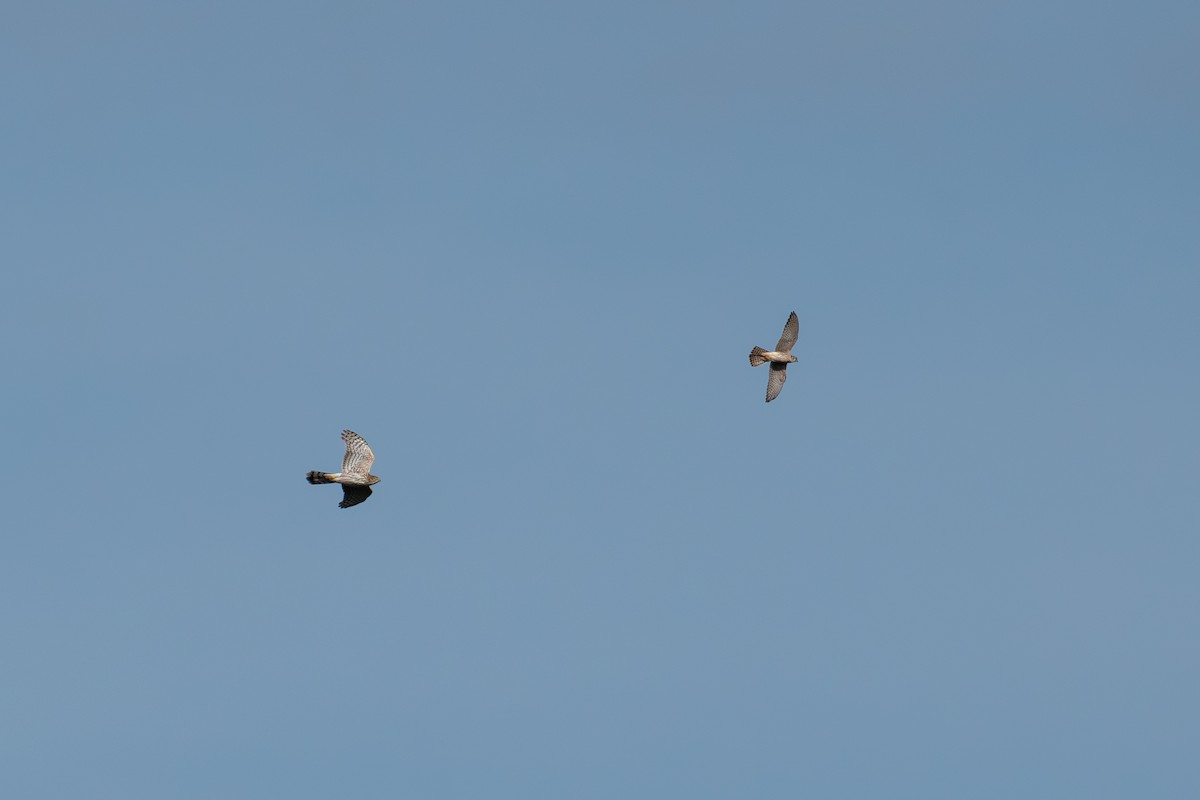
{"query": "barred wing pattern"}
pixel 787 341
pixel 776 379
pixel 358 460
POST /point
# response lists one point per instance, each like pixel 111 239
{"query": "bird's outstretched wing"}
pixel 353 495
pixel 359 457
pixel 775 380
pixel 791 332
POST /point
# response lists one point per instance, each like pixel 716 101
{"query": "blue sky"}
pixel 956 558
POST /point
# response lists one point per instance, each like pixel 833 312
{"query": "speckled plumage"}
pixel 779 358
pixel 355 477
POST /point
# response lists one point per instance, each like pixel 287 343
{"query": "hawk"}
pixel 356 478
pixel 780 357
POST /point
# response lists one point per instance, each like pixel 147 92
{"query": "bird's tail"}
pixel 756 358
pixel 320 477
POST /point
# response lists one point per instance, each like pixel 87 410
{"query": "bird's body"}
pixel 356 478
pixel 338 477
pixel 778 358
pixel 773 355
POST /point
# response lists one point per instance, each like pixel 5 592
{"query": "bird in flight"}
pixel 356 478
pixel 780 357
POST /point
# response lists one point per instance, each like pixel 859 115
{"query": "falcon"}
pixel 780 357
pixel 356 478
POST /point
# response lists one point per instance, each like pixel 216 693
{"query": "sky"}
pixel 524 249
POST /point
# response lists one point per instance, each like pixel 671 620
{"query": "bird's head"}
pixel 792 359
pixel 373 479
